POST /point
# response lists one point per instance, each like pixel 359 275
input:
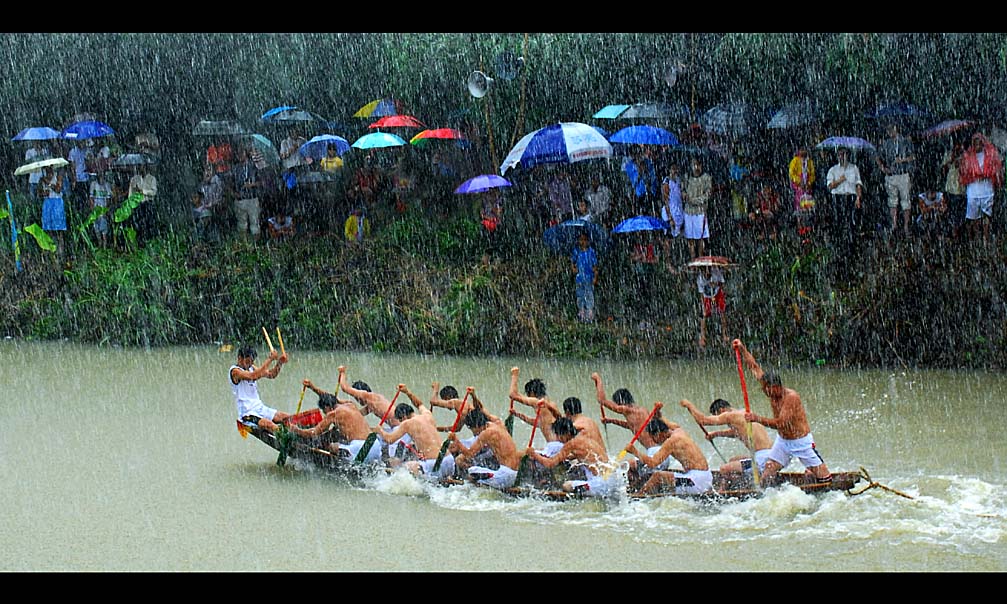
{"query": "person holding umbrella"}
pixel 585 267
pixel 35 153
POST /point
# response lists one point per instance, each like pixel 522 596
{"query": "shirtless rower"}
pixel 722 414
pixel 534 394
pixel 695 477
pixel 793 432
pixel 243 376
pixel 347 419
pixel 580 449
pixel 622 403
pixel 422 429
pixel 583 423
pixel 371 402
pixel 447 398
pixel 494 436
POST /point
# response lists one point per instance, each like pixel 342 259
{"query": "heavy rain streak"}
pixel 503 302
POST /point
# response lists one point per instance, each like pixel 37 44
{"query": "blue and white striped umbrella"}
pixel 563 143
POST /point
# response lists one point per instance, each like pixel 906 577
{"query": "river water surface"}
pixel 128 460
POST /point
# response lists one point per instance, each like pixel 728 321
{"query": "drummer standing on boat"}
pixel 793 432
pixel 243 376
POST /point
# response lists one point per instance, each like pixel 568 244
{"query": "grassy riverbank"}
pixel 443 287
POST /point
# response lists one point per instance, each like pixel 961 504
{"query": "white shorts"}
pixel 468 442
pixel 447 466
pixel 702 481
pixel 258 409
pixel 551 448
pixel 802 448
pixel 501 478
pixel 664 464
pixel 373 456
pixel 760 458
pixel 696 226
pixel 897 187
pixel 392 448
pixel 979 205
pixel 597 486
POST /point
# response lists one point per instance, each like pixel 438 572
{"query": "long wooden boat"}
pixel 725 487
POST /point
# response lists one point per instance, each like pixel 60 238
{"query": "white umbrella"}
pixel 38 165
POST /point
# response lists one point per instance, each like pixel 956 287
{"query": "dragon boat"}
pixel 725 486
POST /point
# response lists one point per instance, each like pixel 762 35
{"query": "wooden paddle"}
pixel 748 409
pixel 280 338
pixel 604 423
pixel 707 434
pixel 369 441
pixel 447 441
pixel 624 452
pixel 268 341
pixel 301 400
pixel 524 458
pixel 509 422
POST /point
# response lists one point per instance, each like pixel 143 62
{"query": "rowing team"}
pixel 574 458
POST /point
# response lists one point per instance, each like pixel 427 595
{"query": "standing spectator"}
pixel 101 195
pixel 599 199
pixel 79 156
pixel 560 196
pixel 585 267
pixel 219 156
pixel 202 215
pixel 642 175
pixel 289 147
pixel 953 191
pixel 144 183
pixel 698 188
pixel 671 192
pixel 246 185
pixel 895 158
pixel 583 211
pixel 766 211
pixel 492 210
pixel 331 162
pixel 51 187
pixel 843 212
pixel 36 152
pixel 710 282
pixel 148 143
pixel 981 171
pixel 212 190
pixel 802 176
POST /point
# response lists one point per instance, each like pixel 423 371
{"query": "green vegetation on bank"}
pixel 443 287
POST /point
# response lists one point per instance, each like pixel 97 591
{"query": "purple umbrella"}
pixel 481 183
pixel 947 127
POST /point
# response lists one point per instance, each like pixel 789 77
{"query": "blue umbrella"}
pixel 87 129
pixel 563 237
pixel 481 183
pixel 275 110
pixel 378 140
pixel 565 143
pixel 317 147
pixel 641 223
pixel 291 115
pixel 40 133
pixel 644 135
pixel 847 142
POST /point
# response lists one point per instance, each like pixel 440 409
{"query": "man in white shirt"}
pixel 847 190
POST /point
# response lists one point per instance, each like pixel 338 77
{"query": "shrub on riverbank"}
pixel 443 287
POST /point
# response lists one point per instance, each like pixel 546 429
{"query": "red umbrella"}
pixel 398 121
pixel 440 133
